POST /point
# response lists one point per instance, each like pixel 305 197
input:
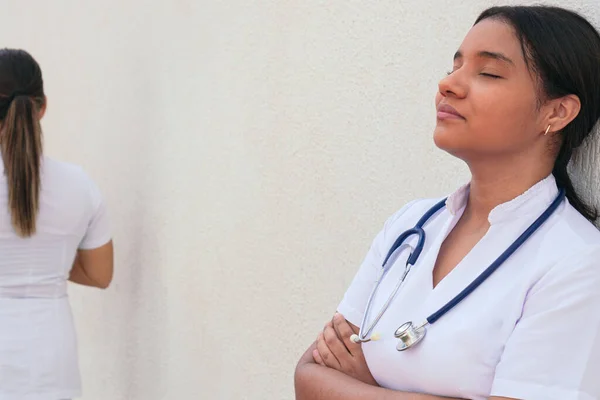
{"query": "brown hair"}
pixel 21 101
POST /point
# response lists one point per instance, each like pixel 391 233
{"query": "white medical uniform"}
pixel 531 331
pixel 38 349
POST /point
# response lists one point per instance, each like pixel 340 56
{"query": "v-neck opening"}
pixel 462 261
pixel 432 254
pixel 436 247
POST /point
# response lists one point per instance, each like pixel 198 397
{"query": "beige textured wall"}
pixel 249 151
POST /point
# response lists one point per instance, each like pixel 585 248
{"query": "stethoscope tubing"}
pixel 500 260
pixel 412 259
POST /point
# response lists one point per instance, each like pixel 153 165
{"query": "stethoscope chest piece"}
pixel 409 335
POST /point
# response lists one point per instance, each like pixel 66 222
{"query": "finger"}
pixel 344 331
pixel 335 344
pixel 317 357
pixel 340 334
pixel 326 354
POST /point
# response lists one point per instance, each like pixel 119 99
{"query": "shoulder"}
pixel 60 169
pixel 571 233
pixel 68 178
pixel 572 250
pixel 405 218
pixel 65 172
pixel 411 212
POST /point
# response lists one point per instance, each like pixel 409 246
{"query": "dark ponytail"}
pixel 560 172
pixel 562 49
pixel 21 100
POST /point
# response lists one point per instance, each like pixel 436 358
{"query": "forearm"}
pixel 78 275
pixel 315 382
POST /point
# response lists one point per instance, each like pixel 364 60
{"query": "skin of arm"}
pixel 93 267
pixel 77 275
pixel 334 368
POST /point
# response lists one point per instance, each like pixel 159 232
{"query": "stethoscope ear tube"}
pixel 417 230
pixel 400 241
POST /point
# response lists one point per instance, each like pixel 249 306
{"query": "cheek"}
pixel 503 115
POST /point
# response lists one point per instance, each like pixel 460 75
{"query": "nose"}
pixel 453 86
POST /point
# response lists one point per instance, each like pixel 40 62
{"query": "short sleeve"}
pixel 98 229
pixel 355 299
pixel 554 351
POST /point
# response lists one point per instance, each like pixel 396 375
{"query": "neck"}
pixel 493 184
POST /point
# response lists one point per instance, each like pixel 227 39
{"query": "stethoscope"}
pixel 409 333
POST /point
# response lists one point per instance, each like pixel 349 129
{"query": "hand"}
pixel 336 350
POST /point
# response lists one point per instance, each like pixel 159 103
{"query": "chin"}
pixel 450 141
pixel 445 138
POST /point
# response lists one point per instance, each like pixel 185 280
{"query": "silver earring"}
pixel 547 130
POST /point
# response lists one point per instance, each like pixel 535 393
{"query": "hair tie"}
pixel 15 95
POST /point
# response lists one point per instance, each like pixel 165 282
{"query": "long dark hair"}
pixel 21 100
pixel 562 49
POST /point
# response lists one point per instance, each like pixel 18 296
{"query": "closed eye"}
pixel 491 76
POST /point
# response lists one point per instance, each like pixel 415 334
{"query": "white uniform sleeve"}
pixel 355 299
pixel 554 350
pixel 98 230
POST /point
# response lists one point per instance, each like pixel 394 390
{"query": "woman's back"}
pixel 69 205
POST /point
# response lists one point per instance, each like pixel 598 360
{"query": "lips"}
pixel 447 111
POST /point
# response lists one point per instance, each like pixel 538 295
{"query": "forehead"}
pixel 494 36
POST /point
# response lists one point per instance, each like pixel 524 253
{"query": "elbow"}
pixel 298 385
pixel 300 369
pixel 304 375
pixel 300 382
pixel 103 282
pixel 103 285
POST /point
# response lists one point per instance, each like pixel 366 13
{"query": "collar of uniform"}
pixel 458 200
pixel 533 200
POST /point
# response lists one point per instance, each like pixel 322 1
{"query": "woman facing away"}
pixel 523 93
pixel 53 228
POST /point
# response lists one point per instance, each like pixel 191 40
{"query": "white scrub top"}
pixel 530 331
pixel 38 348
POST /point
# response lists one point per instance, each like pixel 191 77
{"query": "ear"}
pixel 561 112
pixel 43 108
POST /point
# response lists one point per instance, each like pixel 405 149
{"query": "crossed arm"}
pixel 334 368
pixel 93 267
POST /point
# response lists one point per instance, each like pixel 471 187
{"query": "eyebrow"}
pixel 488 54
